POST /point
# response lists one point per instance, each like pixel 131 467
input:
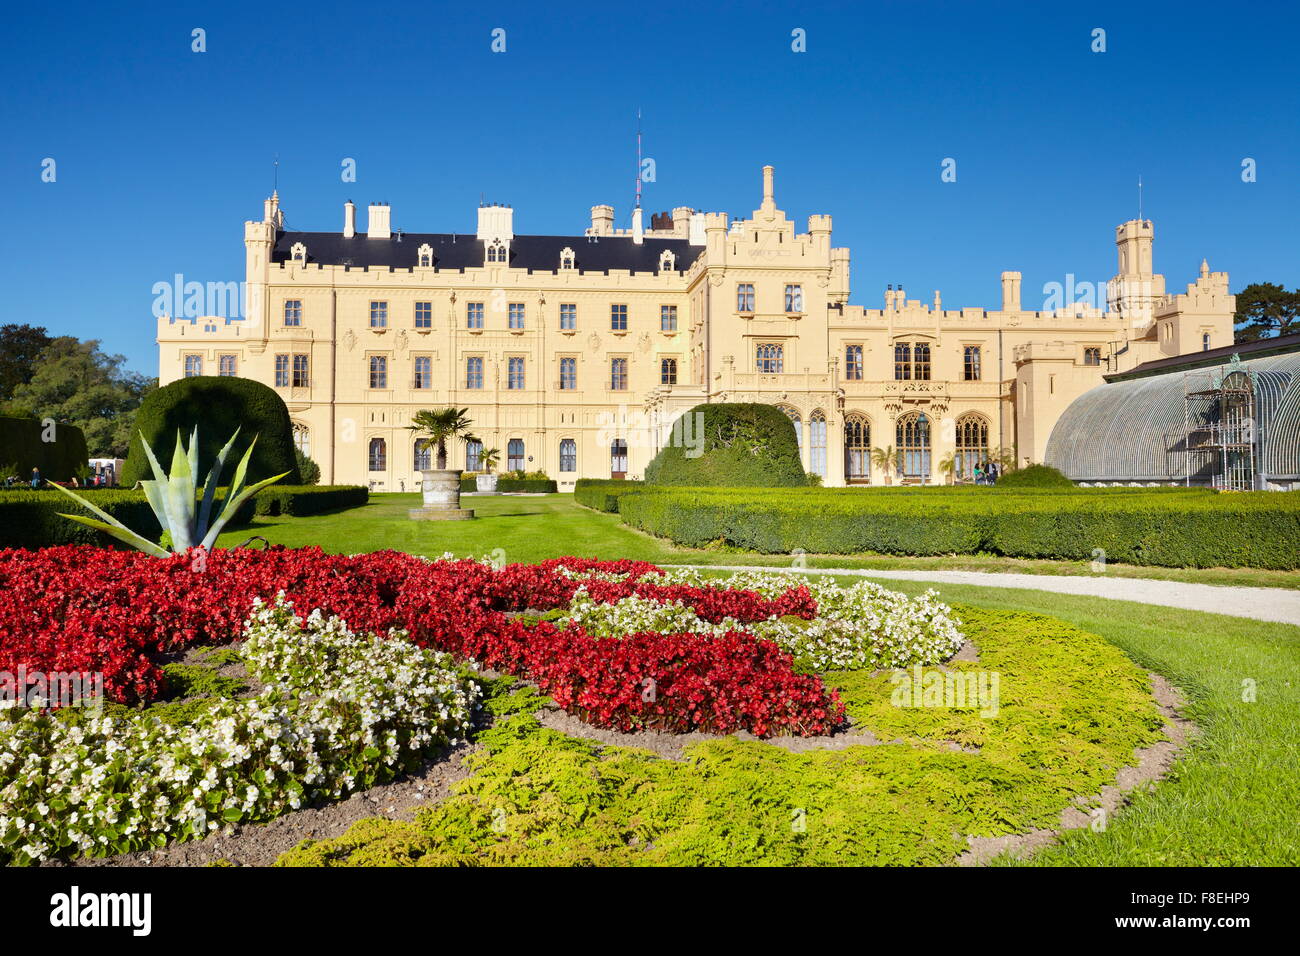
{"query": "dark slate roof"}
pixel 455 251
pixel 1277 345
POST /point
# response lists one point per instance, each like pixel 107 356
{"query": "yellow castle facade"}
pixel 574 354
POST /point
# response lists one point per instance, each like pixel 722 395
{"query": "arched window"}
pixel 515 454
pixel 913 441
pixel 426 256
pixel 496 251
pixel 667 261
pixel 771 357
pixel 378 455
pixel 797 422
pixel 568 455
pixel 972 446
pixel 302 438
pixel 817 441
pixel 668 371
pixel 474 455
pixel 857 450
pixel 567 258
pixel 423 457
pixel 618 458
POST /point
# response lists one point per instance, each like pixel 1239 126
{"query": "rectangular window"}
pixel 794 298
pixel 668 318
pixel 379 315
pixel 474 315
pixel 618 374
pixel 515 372
pixel 618 318
pixel 1092 356
pixel 300 370
pixel 423 371
pixel 193 366
pixel 745 297
pixel 424 315
pixel 668 371
pixel 227 365
pixel 282 371
pixel 293 312
pixel 1205 341
pixel 921 362
pixel 769 358
pixel 378 371
pixel 568 316
pixel 568 455
pixel 853 362
pixel 971 363
pixel 568 374
pixel 474 371
pixel 516 315
pixel 902 361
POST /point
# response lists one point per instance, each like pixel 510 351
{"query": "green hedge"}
pixel 1170 528
pixel 602 494
pixel 1035 476
pixel 730 445
pixel 513 485
pixel 22 448
pixel 217 405
pixel 33 519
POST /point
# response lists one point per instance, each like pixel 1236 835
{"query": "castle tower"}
pixel 1136 288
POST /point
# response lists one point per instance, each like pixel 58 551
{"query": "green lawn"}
pixel 533 528
pixel 1233 799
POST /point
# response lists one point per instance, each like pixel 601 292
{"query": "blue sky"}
pixel 162 153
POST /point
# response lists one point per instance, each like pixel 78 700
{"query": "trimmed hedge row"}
pixel 1191 528
pixel 514 485
pixel 22 448
pixel 730 444
pixel 33 519
pixel 602 494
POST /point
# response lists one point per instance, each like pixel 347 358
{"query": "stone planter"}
pixel 486 484
pixel 441 490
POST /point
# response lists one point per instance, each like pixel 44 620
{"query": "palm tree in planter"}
pixel 885 459
pixel 488 459
pixel 441 485
pixel 948 466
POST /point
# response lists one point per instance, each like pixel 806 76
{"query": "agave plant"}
pixel 174 499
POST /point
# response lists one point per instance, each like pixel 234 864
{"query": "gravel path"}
pixel 1262 604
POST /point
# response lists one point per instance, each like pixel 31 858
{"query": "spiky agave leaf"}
pixel 210 486
pixel 109 525
pixel 231 507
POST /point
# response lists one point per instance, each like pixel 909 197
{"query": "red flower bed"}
pixel 88 609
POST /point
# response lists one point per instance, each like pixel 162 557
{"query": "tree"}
pixel 74 382
pixel 440 427
pixel 887 458
pixel 489 458
pixel 307 469
pixel 20 346
pixel 1266 309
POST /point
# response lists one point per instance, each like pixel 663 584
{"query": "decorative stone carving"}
pixel 593 342
pixel 643 343
pixel 401 340
pixel 349 340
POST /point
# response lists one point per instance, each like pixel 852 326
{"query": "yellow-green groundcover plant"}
pixel 1071 710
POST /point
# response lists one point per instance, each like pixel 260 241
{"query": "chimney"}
pixel 696 229
pixel 769 189
pixel 681 220
pixel 379 224
pixel 602 220
pixel 349 219
pixel 1011 292
pixel 638 232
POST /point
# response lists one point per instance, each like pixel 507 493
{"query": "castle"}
pixel 574 354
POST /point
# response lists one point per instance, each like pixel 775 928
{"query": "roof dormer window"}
pixel 299 253
pixel 667 261
pixel 568 260
pixel 425 254
pixel 496 251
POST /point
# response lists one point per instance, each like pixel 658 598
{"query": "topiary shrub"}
pixel 218 405
pixel 23 446
pixel 735 445
pixel 1035 476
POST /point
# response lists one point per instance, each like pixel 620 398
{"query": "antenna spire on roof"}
pixel 1139 196
pixel 275 178
pixel 638 157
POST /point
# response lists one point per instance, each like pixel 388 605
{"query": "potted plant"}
pixel 948 465
pixel 441 485
pixel 488 459
pixel 885 459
